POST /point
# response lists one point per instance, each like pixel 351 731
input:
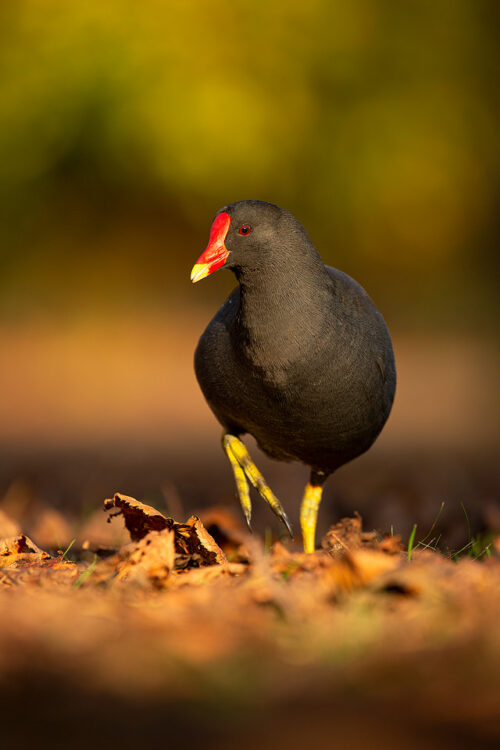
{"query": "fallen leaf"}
pixel 201 576
pixel 24 563
pixel 151 559
pixel 192 541
pixel 359 568
pixel 348 535
pixel 140 519
pixel 198 541
pixel 344 535
pixel 21 550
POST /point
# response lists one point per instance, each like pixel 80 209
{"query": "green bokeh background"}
pixel 124 126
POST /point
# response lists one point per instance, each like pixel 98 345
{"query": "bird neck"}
pixel 283 310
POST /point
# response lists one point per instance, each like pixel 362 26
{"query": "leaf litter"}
pixel 200 608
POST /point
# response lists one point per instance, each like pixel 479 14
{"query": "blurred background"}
pixel 125 126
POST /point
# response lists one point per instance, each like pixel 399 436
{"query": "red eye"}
pixel 245 229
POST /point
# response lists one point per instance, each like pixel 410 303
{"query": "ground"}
pixel 149 630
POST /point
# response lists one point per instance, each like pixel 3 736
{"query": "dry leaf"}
pixel 359 568
pixel 201 576
pixel 192 538
pixel 140 519
pixel 21 550
pixel 149 560
pixel 193 544
pixel 348 535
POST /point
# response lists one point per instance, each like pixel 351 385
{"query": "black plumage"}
pixel 298 355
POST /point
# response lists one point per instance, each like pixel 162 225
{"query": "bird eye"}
pixel 245 229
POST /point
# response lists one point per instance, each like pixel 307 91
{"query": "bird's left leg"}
pixel 309 509
pixel 240 458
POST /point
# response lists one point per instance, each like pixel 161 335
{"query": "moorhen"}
pixel 298 355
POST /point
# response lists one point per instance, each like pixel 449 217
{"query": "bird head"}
pixel 244 233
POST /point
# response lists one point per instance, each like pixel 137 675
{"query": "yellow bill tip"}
pixel 200 271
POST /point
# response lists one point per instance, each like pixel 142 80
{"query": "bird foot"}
pixel 243 469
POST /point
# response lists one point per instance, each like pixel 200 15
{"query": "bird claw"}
pixel 284 520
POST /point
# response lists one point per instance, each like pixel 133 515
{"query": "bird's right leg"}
pixel 243 469
pixel 239 478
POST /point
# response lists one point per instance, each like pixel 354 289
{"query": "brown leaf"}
pixel 391 545
pixel 21 550
pixel 191 539
pixel 140 519
pixel 148 561
pixel 24 563
pixel 360 568
pixel 348 535
pixel 344 535
pixel 199 541
pixel 201 576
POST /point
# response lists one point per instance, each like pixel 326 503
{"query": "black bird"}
pixel 298 355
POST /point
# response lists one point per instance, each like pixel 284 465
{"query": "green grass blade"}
pixel 68 549
pixel 433 524
pixel 411 540
pixel 467 546
pixel 86 573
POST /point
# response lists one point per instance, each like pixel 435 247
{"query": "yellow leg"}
pixel 238 455
pixel 309 514
pixel 241 481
